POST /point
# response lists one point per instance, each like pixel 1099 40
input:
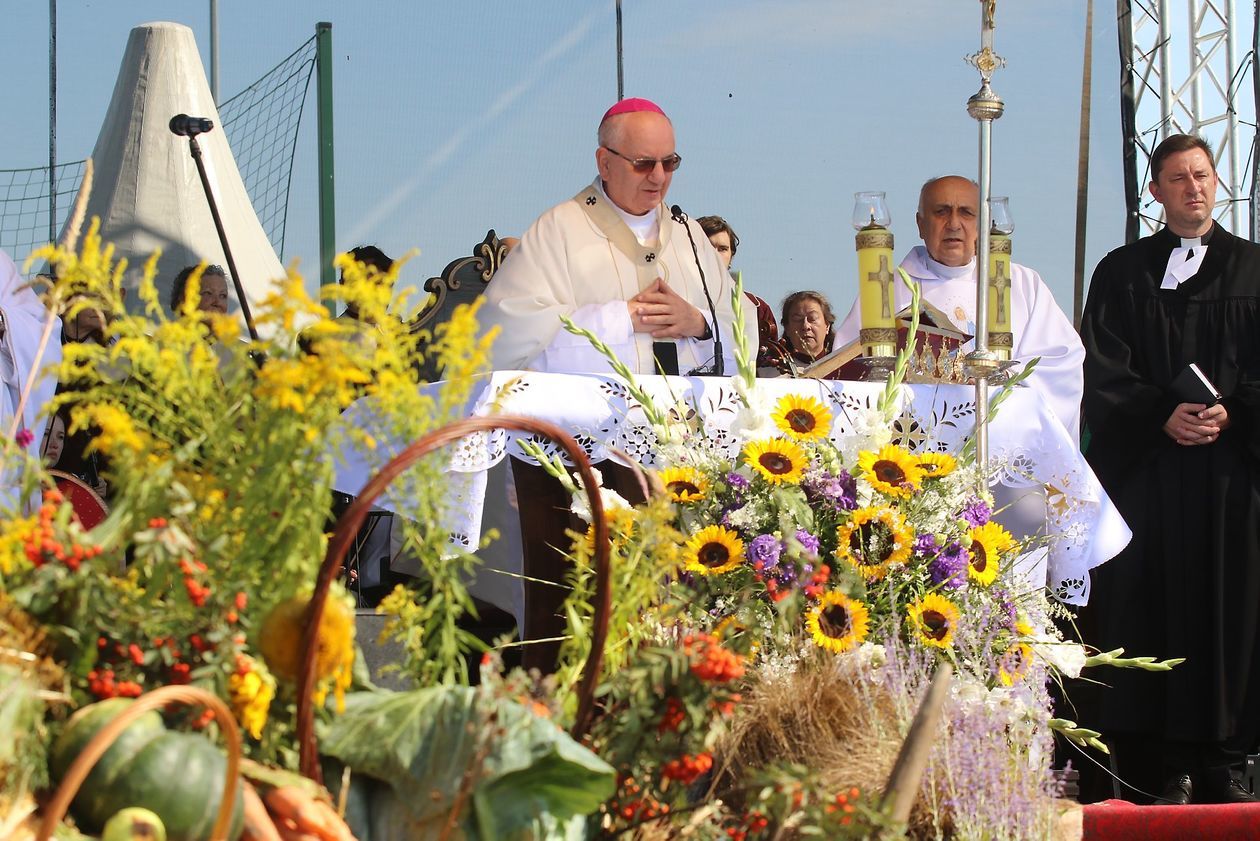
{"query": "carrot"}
pixel 300 814
pixel 258 824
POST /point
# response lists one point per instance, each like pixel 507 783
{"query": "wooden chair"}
pixel 461 282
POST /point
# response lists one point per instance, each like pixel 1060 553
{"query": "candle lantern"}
pixel 1001 340
pixel 876 273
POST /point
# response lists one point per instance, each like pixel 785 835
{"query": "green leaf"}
pixel 527 775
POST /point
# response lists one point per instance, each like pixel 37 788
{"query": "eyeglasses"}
pixel 645 165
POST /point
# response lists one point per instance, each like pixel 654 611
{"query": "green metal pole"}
pixel 327 191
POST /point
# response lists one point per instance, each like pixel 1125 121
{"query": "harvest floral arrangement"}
pixel 844 570
pixel 220 454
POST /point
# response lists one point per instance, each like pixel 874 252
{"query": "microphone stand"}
pixel 195 149
pixel 719 365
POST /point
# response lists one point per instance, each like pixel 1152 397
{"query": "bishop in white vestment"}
pixel 613 259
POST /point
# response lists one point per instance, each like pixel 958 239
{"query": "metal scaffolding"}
pixel 1182 73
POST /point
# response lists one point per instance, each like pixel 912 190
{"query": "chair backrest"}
pixel 461 282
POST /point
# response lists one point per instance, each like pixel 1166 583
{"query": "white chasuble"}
pixel 567 264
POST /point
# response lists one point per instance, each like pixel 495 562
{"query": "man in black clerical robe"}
pixel 1186 477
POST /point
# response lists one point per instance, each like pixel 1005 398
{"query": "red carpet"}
pixel 1119 820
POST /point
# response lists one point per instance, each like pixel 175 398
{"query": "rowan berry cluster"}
pixel 687 769
pixel 710 661
pixel 43 545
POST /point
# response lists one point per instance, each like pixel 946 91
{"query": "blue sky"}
pixel 454 119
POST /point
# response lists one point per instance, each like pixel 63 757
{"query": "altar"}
pixel 1041 482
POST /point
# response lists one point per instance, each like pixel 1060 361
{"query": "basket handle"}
pixel 354 516
pixel 95 749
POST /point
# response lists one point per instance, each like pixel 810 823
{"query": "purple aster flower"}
pixel 736 481
pixel 925 545
pixel 808 541
pixel 949 567
pixel 976 512
pixel 764 551
pixel 839 490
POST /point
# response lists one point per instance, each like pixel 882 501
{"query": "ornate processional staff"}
pixel 985 106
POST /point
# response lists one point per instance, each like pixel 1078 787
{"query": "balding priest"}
pixel 619 263
pixel 945 266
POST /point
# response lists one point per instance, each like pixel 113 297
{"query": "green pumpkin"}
pixel 89 806
pixel 179 776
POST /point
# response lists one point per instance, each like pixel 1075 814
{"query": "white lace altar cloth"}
pixel 1028 447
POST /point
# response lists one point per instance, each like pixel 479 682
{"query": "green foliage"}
pixel 456 756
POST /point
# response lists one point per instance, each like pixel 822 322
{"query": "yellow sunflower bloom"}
pixel 988 542
pixel 802 417
pixel 873 540
pixel 714 550
pixel 776 460
pixel 685 484
pixel 1015 663
pixel 933 620
pixel 936 465
pixel 1024 628
pixel 891 471
pixel 838 622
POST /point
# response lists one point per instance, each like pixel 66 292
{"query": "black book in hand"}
pixel 1193 386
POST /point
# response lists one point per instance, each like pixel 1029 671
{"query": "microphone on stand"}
pixel 678 216
pixel 186 126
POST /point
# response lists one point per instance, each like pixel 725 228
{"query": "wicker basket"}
pixel 350 522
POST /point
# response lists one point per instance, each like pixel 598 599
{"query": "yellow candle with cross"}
pixel 877 274
pixel 999 315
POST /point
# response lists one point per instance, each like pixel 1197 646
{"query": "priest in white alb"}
pixel 22 317
pixel 616 260
pixel 945 266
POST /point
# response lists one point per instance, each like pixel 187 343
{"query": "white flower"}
pixel 581 505
pixel 754 422
pixel 1067 658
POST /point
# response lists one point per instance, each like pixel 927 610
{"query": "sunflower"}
pixel 838 622
pixel 776 460
pixel 933 620
pixel 873 540
pixel 936 465
pixel 1015 663
pixel 685 484
pixel 892 470
pixel 714 550
pixel 802 417
pixel 988 542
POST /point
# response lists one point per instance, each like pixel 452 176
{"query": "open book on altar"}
pixel 935 345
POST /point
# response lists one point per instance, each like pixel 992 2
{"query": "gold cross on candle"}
pixel 884 277
pixel 1000 283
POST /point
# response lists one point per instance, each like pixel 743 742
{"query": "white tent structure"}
pixel 147 192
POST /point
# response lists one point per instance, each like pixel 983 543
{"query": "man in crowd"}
pixel 726 242
pixel 1184 473
pixel 945 266
pixel 612 259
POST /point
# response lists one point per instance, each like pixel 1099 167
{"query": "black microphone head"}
pixel 186 126
pixel 676 213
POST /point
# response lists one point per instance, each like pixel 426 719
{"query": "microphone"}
pixel 186 126
pixel 719 365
